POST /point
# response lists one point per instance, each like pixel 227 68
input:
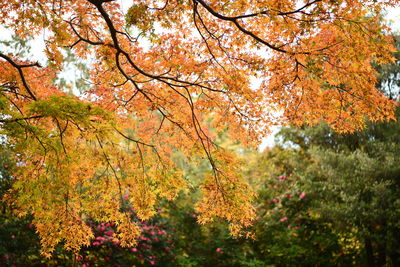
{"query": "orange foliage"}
pixel 79 155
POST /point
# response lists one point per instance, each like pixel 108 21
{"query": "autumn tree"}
pixel 164 74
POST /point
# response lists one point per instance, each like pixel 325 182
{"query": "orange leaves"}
pixel 158 91
pixel 224 193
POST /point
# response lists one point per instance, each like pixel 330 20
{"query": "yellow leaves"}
pixel 224 193
pixel 128 232
pixel 65 226
pixel 138 16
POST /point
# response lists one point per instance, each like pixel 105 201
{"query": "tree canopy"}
pixel 170 77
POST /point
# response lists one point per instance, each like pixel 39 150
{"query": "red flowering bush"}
pixel 154 247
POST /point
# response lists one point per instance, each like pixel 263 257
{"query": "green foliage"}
pixel 354 182
pixel 66 107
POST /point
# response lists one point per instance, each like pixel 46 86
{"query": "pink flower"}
pixel 134 249
pixel 152 232
pixel 283 219
pixel 194 215
pixel 289 226
pixel 6 166
pixel 295 228
pixel 275 200
pixel 152 262
pixel 109 233
pixel 282 177
pixel 167 249
pixel 12 236
pixel 96 243
pixel 126 197
pixel 218 250
pixel 302 195
pixel 290 196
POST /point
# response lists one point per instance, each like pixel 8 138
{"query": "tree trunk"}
pixel 369 253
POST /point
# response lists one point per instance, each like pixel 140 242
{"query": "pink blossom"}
pixel 194 215
pixel 290 196
pixel 289 226
pixel 96 243
pixel 302 195
pixel 134 249
pixel 126 197
pixel 282 177
pixel 152 262
pixel 275 200
pixel 295 228
pixel 283 219
pixel 218 250
pixel 167 249
pixel 109 233
pixel 152 232
pixel 12 236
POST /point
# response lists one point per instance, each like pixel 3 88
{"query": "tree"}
pixel 350 191
pixel 78 156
